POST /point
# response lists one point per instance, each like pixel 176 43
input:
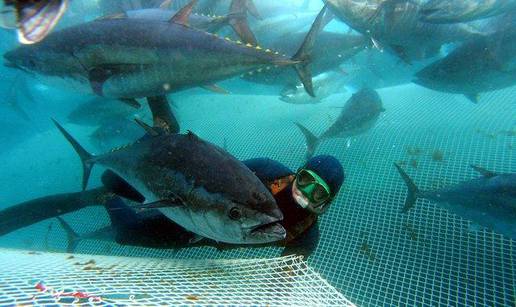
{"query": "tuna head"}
pixel 42 59
pixel 224 200
pixel 254 221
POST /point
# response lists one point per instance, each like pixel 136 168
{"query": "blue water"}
pixel 369 251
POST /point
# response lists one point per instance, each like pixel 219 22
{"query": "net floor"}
pixel 53 278
pixel 369 251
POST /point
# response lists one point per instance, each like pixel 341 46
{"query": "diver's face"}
pixel 311 192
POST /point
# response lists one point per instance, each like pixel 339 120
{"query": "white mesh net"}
pixel 37 278
pixel 369 251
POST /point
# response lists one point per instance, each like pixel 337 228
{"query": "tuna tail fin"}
pixel 311 140
pixel 237 18
pixel 303 55
pixel 413 191
pixel 72 237
pixel 87 159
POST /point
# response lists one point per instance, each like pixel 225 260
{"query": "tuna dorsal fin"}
pixel 192 135
pixel 237 18
pixel 484 172
pixel 251 8
pixel 181 17
pixel 120 187
pixel 165 5
pixel 150 130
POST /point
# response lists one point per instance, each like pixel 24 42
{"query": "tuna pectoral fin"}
pixel 37 18
pixel 87 159
pixel 173 201
pixel 215 89
pixel 303 55
pixel 413 191
pixel 162 114
pixel 484 172
pixel 311 141
pixel 120 187
pixel 72 237
pixel 99 74
pixel 472 97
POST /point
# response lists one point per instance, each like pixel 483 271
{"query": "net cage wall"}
pixel 369 251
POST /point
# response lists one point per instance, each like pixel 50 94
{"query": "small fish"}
pixel 35 18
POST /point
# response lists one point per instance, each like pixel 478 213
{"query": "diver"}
pixel 302 197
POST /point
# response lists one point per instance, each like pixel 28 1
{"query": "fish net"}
pixel 369 251
pixel 34 278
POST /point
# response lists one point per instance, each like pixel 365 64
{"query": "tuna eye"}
pixel 235 213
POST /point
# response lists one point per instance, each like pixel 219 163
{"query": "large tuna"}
pixel 132 58
pixel 194 183
pixel 396 25
pixel 359 114
pixel 482 65
pixel 489 201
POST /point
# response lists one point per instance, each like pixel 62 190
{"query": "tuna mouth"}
pixel 273 230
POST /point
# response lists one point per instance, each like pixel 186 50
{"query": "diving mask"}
pixel 311 191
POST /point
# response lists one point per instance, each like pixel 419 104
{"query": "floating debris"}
pixel 414 151
pixel 437 156
pixel 413 163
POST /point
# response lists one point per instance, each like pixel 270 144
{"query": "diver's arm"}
pixel 39 209
pixel 305 244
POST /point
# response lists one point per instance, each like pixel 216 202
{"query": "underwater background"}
pixel 370 251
